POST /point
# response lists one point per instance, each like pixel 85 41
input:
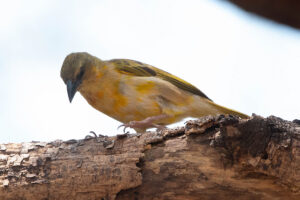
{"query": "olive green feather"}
pixel 136 68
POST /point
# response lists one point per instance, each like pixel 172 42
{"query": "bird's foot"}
pixel 95 136
pixel 89 136
pixel 145 124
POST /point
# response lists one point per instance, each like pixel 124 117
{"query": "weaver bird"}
pixel 137 94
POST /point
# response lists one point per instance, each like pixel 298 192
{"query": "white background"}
pixel 237 59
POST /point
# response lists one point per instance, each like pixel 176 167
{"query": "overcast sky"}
pixel 237 59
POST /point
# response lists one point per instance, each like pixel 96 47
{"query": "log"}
pixel 281 11
pixel 214 157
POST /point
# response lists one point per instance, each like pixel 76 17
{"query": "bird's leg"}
pixel 146 123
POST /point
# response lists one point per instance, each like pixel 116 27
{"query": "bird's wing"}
pixel 135 68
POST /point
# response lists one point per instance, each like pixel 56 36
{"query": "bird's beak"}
pixel 72 89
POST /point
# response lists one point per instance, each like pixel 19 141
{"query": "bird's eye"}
pixel 80 74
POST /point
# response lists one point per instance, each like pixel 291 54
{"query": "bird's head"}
pixel 74 70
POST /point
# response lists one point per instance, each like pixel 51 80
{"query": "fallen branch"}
pixel 210 158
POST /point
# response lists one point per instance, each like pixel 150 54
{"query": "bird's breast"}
pixel 121 99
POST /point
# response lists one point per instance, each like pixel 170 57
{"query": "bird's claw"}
pixel 94 134
pixel 127 125
pixel 97 137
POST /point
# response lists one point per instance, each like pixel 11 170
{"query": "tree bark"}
pixel 221 157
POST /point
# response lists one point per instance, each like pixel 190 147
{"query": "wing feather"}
pixel 136 68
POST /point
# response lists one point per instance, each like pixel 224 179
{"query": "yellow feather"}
pixel 129 90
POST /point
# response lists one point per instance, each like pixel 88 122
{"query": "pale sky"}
pixel 237 59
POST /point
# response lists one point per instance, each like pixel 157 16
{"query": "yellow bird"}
pixel 137 94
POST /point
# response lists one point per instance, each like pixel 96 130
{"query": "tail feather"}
pixel 224 110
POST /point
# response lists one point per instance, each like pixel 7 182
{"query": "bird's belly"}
pixel 124 108
pixel 136 99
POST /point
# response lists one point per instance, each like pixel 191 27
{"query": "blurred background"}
pixel 238 59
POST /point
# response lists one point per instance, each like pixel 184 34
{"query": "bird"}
pixel 138 95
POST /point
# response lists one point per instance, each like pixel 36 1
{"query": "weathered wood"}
pixel 210 158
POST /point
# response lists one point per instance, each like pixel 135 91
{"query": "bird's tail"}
pixel 224 110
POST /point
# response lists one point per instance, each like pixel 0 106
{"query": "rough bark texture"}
pixel 210 158
pixel 282 11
